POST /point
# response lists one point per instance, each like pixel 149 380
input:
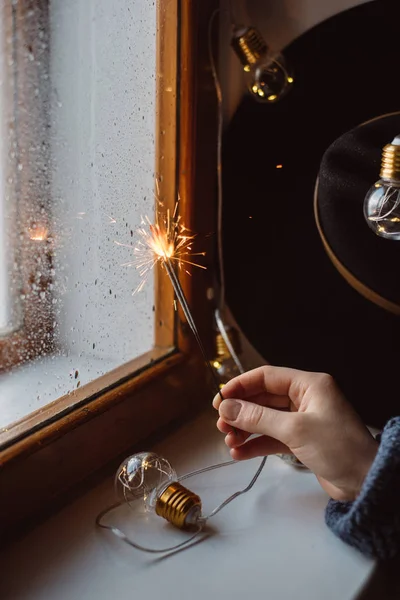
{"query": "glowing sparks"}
pixel 167 239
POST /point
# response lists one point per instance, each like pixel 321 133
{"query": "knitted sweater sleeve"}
pixel 372 522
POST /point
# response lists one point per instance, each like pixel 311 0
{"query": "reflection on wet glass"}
pixel 77 99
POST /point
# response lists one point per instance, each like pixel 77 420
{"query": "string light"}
pixel 382 202
pixel 266 72
pixel 149 478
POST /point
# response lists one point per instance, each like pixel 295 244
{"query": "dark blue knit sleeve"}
pixel 372 522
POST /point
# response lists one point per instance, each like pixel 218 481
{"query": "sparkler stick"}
pixel 167 242
pixel 186 310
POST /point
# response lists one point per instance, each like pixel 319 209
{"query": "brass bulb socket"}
pixel 390 165
pixel 221 347
pixel 249 45
pixel 179 506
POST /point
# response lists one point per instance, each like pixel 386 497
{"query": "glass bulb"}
pixel 382 208
pixel 226 369
pixel 267 74
pixel 268 80
pixel 144 475
pixel 382 202
pixel 223 363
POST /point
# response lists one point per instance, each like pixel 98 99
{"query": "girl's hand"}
pixel 300 413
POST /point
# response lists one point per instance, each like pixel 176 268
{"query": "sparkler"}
pixel 169 243
pixel 165 240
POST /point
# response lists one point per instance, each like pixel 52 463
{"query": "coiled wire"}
pixel 201 521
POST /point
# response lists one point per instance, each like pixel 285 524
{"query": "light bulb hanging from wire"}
pixel 382 202
pixel 268 77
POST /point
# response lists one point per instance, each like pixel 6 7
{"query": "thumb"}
pixel 255 418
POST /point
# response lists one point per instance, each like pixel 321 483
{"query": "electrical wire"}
pixel 220 124
pixel 239 493
pixel 125 538
pixel 202 521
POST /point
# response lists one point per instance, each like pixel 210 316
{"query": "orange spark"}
pixel 165 239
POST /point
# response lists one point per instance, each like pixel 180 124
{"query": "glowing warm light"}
pixel 38 233
pixel 255 88
pixel 165 240
pixel 290 79
pixel 261 93
pixel 216 364
pixel 279 166
pixel 158 242
pixel 272 97
pixel 246 68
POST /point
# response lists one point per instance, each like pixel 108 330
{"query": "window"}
pixel 81 160
pixel 98 99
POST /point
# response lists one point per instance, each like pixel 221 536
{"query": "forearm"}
pixel 372 522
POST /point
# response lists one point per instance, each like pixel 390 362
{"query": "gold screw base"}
pixel 179 506
pixel 221 347
pixel 249 45
pixel 390 166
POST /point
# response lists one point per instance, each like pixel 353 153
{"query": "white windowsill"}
pixel 33 385
pixel 271 542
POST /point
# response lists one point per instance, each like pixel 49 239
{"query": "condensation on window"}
pixel 78 153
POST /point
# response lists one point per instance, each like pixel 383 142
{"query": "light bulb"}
pixel 223 363
pixel 151 478
pixel 267 75
pixel 382 202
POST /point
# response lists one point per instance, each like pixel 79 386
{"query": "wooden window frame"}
pixel 54 456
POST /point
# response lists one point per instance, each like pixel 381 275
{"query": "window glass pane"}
pixel 81 125
pixel 9 304
pixel 5 300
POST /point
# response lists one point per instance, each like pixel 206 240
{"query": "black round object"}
pixel 348 169
pixel 288 298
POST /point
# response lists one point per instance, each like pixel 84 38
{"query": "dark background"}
pixel 290 301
